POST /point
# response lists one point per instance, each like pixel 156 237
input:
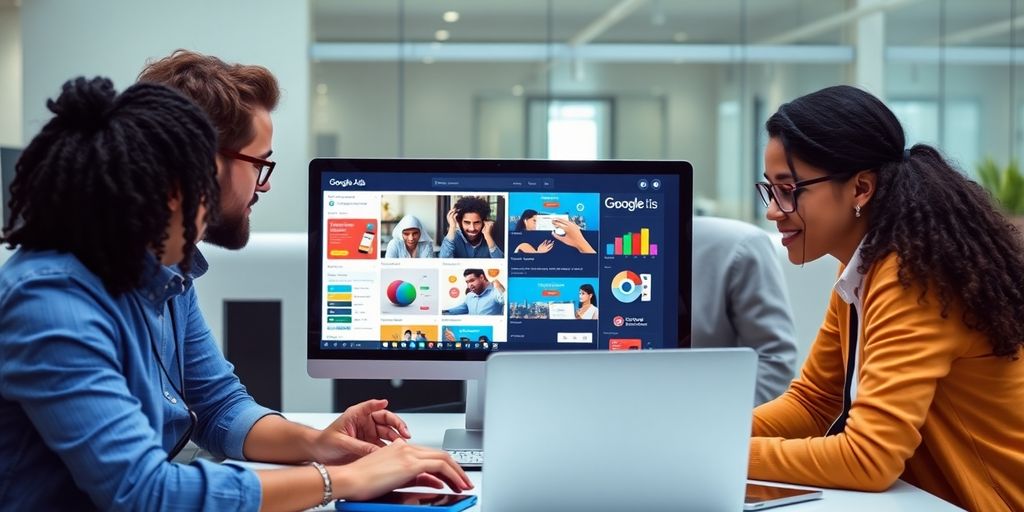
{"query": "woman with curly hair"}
pixel 916 371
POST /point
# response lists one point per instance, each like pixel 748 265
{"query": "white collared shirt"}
pixel 848 287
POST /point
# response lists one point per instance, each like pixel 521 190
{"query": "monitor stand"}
pixel 471 437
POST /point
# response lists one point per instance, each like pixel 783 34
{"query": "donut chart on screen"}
pixel 401 293
pixel 626 286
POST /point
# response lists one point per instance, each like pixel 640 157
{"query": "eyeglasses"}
pixel 263 167
pixel 784 194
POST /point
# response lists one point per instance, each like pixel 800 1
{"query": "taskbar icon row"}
pixel 409 345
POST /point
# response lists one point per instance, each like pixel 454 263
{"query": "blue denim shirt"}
pixel 461 248
pixel 87 415
pixel 490 302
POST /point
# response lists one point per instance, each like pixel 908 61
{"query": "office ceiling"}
pixel 652 21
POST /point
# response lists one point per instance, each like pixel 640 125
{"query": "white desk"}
pixel 428 430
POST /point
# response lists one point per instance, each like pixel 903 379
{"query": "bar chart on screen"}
pixel 632 243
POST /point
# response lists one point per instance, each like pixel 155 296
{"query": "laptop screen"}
pixel 502 259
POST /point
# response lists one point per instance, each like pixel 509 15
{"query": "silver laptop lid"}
pixel 644 430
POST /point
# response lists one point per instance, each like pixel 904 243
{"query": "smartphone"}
pixel 399 501
pixel 760 497
pixel 366 244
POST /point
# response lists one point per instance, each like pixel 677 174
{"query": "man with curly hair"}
pixel 238 99
pixel 469 231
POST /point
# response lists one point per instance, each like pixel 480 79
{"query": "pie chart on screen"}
pixel 626 286
pixel 401 293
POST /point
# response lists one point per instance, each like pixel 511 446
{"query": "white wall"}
pixel 114 38
pixel 272 267
pixel 10 70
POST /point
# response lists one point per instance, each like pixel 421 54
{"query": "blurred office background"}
pixel 647 79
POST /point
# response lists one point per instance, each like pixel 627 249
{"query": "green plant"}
pixel 1006 184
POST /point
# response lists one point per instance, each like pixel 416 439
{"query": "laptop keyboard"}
pixel 468 458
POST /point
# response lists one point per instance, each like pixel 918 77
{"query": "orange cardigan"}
pixel 934 406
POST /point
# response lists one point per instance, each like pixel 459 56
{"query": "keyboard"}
pixel 470 459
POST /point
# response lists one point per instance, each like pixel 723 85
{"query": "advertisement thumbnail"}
pixel 409 292
pixel 464 333
pixel 352 239
pixel 553 298
pixel 554 222
pixel 409 226
pixel 473 291
pixel 408 333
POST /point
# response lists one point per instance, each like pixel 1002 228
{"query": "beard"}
pixel 473 238
pixel 230 231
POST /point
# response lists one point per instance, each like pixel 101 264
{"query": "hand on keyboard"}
pixel 468 458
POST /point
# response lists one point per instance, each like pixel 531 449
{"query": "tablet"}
pixel 399 501
pixel 760 497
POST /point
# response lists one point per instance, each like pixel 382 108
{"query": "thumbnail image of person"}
pixel 483 297
pixel 588 303
pixel 528 222
pixel 569 233
pixel 483 339
pixel 407 335
pixel 469 231
pixel 410 240
pixel 420 336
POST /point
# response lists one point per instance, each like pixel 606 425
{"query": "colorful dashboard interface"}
pixel 483 262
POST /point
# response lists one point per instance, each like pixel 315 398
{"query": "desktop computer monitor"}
pixel 419 269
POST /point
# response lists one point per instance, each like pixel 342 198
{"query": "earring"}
pixel 856 211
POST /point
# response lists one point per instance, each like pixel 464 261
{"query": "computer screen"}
pixel 421 268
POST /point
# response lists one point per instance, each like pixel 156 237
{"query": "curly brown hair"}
pixel 944 228
pixel 228 93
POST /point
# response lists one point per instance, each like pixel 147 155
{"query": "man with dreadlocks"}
pixel 106 366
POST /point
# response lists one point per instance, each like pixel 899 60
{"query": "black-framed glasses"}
pixel 784 194
pixel 263 167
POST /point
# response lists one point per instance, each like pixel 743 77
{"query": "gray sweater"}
pixel 740 299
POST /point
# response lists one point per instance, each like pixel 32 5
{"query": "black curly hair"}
pixel 472 204
pixel 944 228
pixel 96 180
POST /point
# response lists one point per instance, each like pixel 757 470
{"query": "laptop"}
pixel 631 430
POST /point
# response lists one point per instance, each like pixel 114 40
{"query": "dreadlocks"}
pixel 95 182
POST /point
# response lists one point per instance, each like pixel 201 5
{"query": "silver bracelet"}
pixel 328 490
